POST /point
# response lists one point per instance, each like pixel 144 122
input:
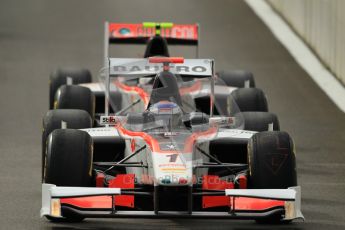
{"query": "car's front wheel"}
pixel 69 162
pixel 272 164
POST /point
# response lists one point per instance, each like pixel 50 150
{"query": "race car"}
pixel 169 158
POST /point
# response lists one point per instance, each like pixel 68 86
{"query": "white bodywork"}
pixel 160 167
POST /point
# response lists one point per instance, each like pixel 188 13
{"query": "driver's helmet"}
pixel 168 112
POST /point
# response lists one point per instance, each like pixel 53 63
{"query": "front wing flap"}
pixel 52 194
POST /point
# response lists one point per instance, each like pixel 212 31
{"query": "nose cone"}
pixel 167 173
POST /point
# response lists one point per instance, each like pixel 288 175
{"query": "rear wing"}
pixel 175 34
pixel 140 33
pixel 198 68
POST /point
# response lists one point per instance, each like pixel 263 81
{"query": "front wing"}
pixel 290 205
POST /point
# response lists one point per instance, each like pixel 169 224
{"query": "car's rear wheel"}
pixel 259 121
pixel 55 119
pixel 60 76
pixel 250 99
pixel 75 97
pixel 236 78
pixel 69 162
pixel 272 164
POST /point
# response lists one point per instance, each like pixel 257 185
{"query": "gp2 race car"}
pixel 174 156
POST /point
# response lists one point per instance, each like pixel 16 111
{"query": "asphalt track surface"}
pixel 38 36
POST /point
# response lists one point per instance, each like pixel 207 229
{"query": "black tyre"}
pixel 69 158
pixel 75 97
pixel 260 121
pixel 271 160
pixel 75 119
pixel 250 99
pixel 237 78
pixel 69 163
pixel 59 78
pixel 272 164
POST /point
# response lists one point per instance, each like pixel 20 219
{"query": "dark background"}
pixel 38 36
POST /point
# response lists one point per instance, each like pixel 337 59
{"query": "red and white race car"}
pixel 169 157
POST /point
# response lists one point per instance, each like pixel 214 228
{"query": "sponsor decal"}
pixel 178 69
pixel 171 165
pixel 186 31
pixel 124 31
pixel 172 157
pixel 108 120
pixel 170 134
pixel 170 146
pixel 135 66
pixel 174 169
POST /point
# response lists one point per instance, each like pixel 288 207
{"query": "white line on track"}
pixel 301 53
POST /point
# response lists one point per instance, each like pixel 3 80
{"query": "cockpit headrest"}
pixel 156 46
pixel 165 88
